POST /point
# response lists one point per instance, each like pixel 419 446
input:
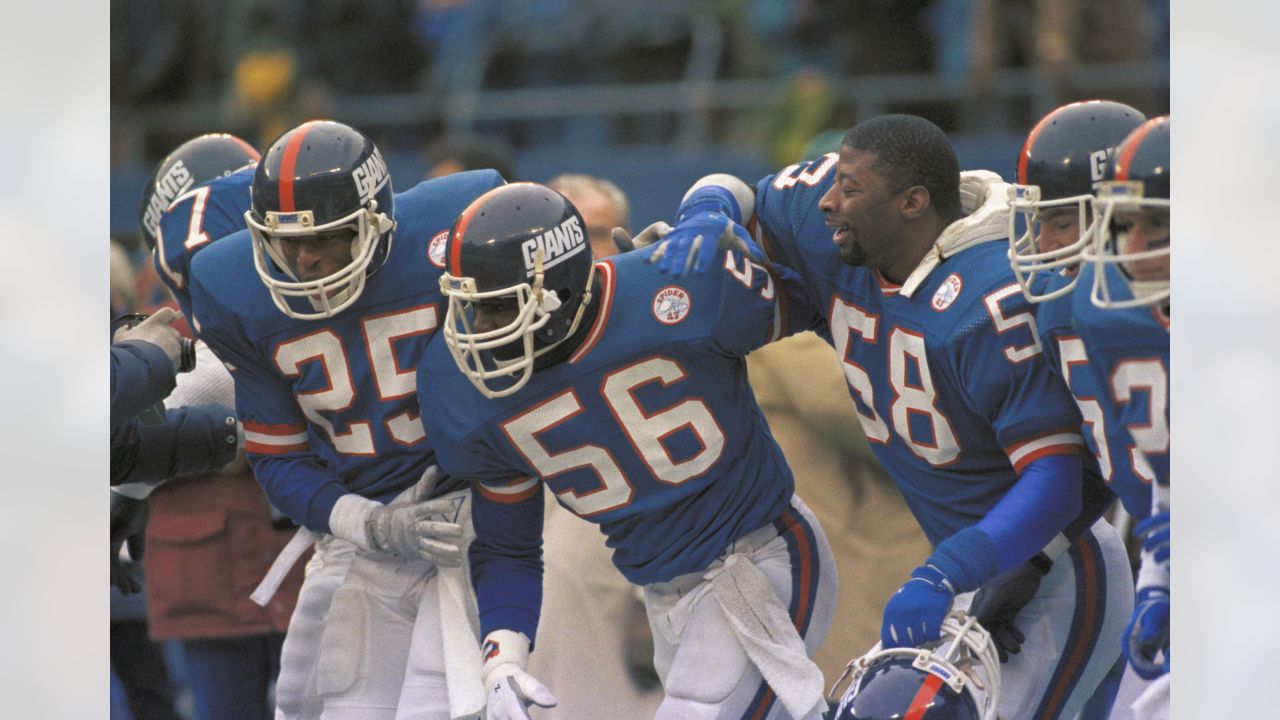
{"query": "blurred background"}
pixel 650 95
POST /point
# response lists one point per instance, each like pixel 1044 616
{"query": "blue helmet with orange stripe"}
pixel 1133 231
pixel 518 277
pixel 193 163
pixel 957 678
pixel 320 182
pixel 1061 164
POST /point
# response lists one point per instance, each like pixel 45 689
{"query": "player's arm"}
pixel 760 304
pixel 141 375
pixel 196 439
pixel 776 209
pixel 276 437
pixel 506 571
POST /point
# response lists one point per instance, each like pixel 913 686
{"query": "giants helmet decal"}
pixel 1137 181
pixel 319 177
pixel 1061 164
pixel 193 163
pixel 521 247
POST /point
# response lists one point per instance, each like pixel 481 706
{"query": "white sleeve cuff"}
pixel 741 192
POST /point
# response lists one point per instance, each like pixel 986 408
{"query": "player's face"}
pixel 313 257
pixel 1059 227
pixel 860 207
pixel 495 314
pixel 1139 231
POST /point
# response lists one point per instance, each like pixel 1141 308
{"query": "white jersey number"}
pixel 381 333
pixel 646 433
pixel 1071 349
pixel 1147 374
pixel 848 320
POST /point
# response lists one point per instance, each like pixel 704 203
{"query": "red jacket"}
pixel 209 543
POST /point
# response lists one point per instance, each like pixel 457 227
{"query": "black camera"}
pixel 187 353
pixel 154 415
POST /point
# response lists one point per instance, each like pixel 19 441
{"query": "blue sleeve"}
pixel 194 439
pixel 506 560
pixel 1004 377
pixel 786 207
pixel 277 443
pixel 759 306
pixel 141 376
pixel 1046 497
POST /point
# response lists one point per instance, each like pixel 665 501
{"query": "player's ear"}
pixel 914 201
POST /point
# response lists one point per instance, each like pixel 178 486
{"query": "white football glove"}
pixel 648 236
pixel 974 185
pixel 409 528
pixel 509 690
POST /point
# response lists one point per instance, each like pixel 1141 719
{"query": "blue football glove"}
pixel 1154 534
pixel 915 613
pixel 1147 633
pixel 696 240
pixel 999 600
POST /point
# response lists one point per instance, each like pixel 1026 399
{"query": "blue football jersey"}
pixel 1129 355
pixel 330 406
pixel 1103 434
pixel 951 384
pixel 206 213
pixel 649 429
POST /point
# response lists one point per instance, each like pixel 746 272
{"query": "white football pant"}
pixel 705 671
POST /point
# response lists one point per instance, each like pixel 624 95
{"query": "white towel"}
pixel 283 563
pixel 987 222
pixel 765 630
pixel 761 625
pixel 460 628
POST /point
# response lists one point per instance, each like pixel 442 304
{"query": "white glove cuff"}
pixel 1151 573
pixel 741 192
pixel 504 647
pixel 349 519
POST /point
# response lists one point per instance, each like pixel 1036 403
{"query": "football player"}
pixel 951 385
pixel 626 394
pixel 198 194
pixel 320 309
pixel 1122 312
pixel 195 436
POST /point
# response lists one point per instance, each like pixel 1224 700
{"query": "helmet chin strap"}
pixel 549 302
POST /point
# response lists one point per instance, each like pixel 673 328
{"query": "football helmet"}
pixel 320 177
pixel 956 678
pixel 1137 180
pixel 194 162
pixel 1060 165
pixel 518 248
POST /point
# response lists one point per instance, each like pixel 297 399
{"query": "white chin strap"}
pixel 1025 256
pixel 472 351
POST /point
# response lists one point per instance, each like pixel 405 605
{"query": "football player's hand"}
pixel 128 525
pixel 420 530
pixel 509 689
pixel 648 236
pixel 1154 534
pixel 999 600
pixel 695 241
pixel 915 613
pixel 157 330
pixel 1147 633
